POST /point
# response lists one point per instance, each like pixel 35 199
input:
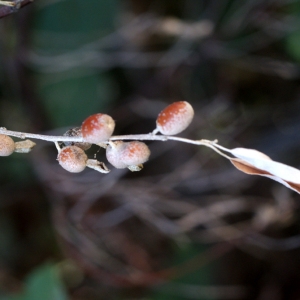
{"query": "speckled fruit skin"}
pixel 135 153
pixel 72 159
pixel 97 128
pixel 114 154
pixel 7 145
pixel 122 154
pixel 175 118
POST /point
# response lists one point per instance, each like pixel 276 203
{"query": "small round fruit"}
pixel 114 154
pixel 72 159
pixel 122 155
pixel 175 118
pixel 135 153
pixel 97 128
pixel 7 145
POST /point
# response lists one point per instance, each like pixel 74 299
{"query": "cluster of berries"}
pixel 98 129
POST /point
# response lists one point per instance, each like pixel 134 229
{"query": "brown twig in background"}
pixel 6 10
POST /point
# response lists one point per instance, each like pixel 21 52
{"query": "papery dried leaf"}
pixel 24 146
pixel 97 165
pixel 249 169
pixel 249 153
pixel 135 168
pixel 263 162
pixel 253 162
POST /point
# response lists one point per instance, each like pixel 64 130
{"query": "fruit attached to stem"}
pixel 7 145
pixel 72 159
pixel 175 118
pixel 114 154
pixel 125 154
pixel 97 128
pixel 135 153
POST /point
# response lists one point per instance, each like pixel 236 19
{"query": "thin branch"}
pixel 49 138
pixel 139 137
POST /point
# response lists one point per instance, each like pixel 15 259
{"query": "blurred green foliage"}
pixel 196 273
pixel 68 27
pixel 71 99
pixel 43 283
pixel 292 39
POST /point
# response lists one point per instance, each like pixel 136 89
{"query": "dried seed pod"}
pixel 76 132
pixel 97 128
pixel 175 118
pixel 72 159
pixel 7 145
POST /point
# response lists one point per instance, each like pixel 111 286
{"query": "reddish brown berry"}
pixel 7 145
pixel 72 159
pixel 97 128
pixel 122 155
pixel 175 118
pixel 135 153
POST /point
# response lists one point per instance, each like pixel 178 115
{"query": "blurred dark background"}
pixel 189 225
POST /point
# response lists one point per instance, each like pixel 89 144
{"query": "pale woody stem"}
pixel 49 138
pixel 140 137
